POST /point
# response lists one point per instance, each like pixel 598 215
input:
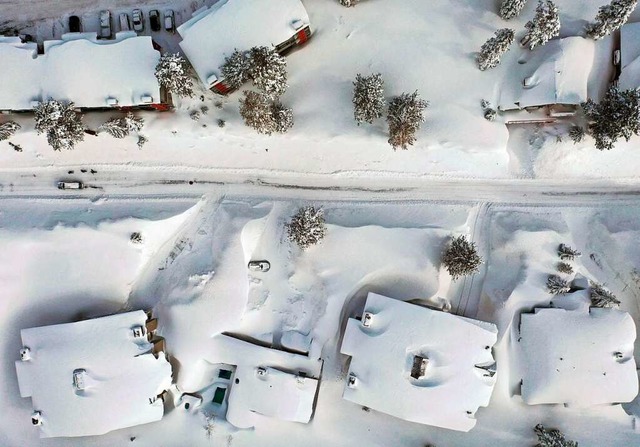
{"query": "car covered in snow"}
pixel 259 266
pixel 105 24
pixel 154 20
pixel 170 21
pixel 138 20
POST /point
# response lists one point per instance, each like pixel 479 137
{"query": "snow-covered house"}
pixel 554 75
pixel 578 357
pixel 212 34
pixel 82 69
pixel 629 56
pixel 94 376
pixel 418 364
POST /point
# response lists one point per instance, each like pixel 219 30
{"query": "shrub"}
pixel 404 118
pixel 461 258
pixel 557 285
pixel 601 297
pixel 307 227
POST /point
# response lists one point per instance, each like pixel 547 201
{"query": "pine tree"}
pixel 349 3
pixel 610 18
pixel 264 114
pixel 557 285
pixel 564 267
pixel 173 74
pixel 60 122
pixel 567 253
pixel 235 69
pixel 8 129
pixel 282 117
pixel 121 127
pixel 404 117
pixel 268 70
pixel 544 26
pixel 368 98
pixel 493 49
pixel 461 258
pixel 601 297
pixel 617 115
pixel 511 8
pixel 307 227
pixel 552 438
pixel 576 133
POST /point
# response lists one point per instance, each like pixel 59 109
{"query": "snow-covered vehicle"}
pixel 125 24
pixel 105 24
pixel 70 185
pixel 154 20
pixel 259 266
pixel 169 21
pixel 138 20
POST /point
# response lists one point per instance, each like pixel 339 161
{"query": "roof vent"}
pixel 25 354
pixel 78 379
pixel 367 319
pixel 138 331
pixel 352 380
pixel 36 418
pixel 261 372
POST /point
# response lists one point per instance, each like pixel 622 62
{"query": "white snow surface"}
pixel 213 34
pixel 382 355
pixel 569 357
pixel 121 375
pixel 630 56
pixel 81 69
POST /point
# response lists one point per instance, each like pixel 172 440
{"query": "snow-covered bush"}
pixel 557 285
pixel 616 116
pixel 136 237
pixel 307 227
pixel 349 3
pixel 141 141
pixel 195 115
pixel 404 117
pixel 263 114
pixel 461 257
pixel 121 127
pixel 601 297
pixel 567 253
pixel 268 70
pixel 552 438
pixel 235 69
pixel 368 98
pixel 173 73
pixel 490 114
pixel 610 18
pixel 544 26
pixel 564 267
pixel 493 49
pixel 60 122
pixel 576 133
pixel 8 129
pixel 511 8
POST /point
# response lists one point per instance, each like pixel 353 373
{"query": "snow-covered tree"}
pixel 368 98
pixel 8 129
pixel 616 116
pixel 610 18
pixel 60 122
pixel 123 126
pixel 511 8
pixel 601 297
pixel 552 438
pixel 173 73
pixel 557 285
pixel 567 253
pixel 404 117
pixel 136 237
pixel 260 112
pixel 493 49
pixel 282 117
pixel 349 3
pixel 564 267
pixel 461 257
pixel 544 26
pixel 235 69
pixel 576 133
pixel 268 70
pixel 307 227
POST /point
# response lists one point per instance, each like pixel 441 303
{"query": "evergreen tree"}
pixel 173 74
pixel 564 267
pixel 461 258
pixel 544 26
pixel 260 112
pixel 282 117
pixel 576 133
pixel 610 18
pixel 8 129
pixel 567 253
pixel 307 227
pixel 121 127
pixel 235 69
pixel 617 115
pixel 557 285
pixel 493 49
pixel 601 297
pixel 60 122
pixel 552 438
pixel 511 8
pixel 368 98
pixel 404 117
pixel 268 70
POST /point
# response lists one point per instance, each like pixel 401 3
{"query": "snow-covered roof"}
pixel 120 375
pixel 578 357
pixel 630 56
pixel 82 69
pixel 213 34
pixel 556 73
pixel 383 354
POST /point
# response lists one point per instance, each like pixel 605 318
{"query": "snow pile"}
pixel 383 347
pixel 120 381
pixel 630 56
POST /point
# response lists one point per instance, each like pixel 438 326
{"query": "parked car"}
pixel 259 266
pixel 154 20
pixel 138 20
pixel 74 24
pixel 70 185
pixel 125 24
pixel 170 21
pixel 105 24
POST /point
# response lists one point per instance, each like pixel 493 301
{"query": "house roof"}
pixel 630 56
pixel 556 73
pixel 452 388
pixel 569 357
pixel 213 34
pixel 80 69
pixel 121 375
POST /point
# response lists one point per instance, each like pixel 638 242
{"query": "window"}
pixel 224 374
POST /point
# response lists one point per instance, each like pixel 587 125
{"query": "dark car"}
pixel 74 24
pixel 154 20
